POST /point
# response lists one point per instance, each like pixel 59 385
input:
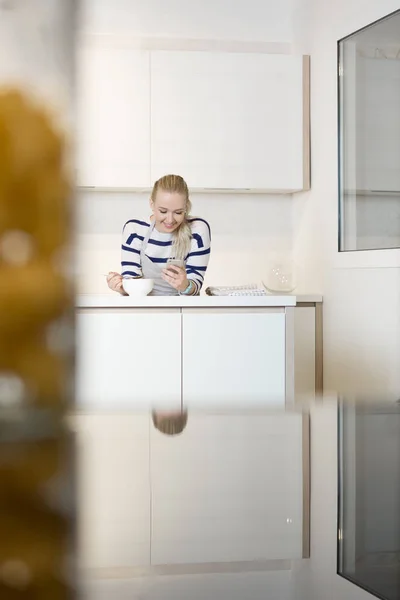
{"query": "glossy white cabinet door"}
pixel 113 490
pixel 128 359
pixel 230 488
pixel 113 115
pixel 228 120
pixel 233 358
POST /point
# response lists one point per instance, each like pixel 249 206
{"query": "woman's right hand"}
pixel 114 282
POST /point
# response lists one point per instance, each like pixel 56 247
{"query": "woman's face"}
pixel 169 210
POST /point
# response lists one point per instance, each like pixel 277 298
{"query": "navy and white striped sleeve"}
pixel 132 237
pixel 199 255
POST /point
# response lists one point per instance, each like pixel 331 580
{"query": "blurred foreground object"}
pixel 36 508
pixel 36 300
pixel 36 343
pixel 34 229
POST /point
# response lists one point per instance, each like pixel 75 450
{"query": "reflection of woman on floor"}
pixel 170 423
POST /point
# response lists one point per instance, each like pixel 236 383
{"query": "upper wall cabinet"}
pixel 113 116
pixel 229 120
pixel 223 120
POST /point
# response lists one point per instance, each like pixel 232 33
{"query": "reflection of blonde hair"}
pixel 182 235
pixel 170 424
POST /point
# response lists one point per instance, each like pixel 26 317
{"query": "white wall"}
pixel 245 230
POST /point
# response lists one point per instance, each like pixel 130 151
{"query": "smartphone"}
pixel 175 262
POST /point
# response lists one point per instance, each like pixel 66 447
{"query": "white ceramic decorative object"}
pixel 280 274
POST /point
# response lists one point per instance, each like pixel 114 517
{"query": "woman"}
pixel 170 234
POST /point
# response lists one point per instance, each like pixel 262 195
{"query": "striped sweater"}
pixel 159 249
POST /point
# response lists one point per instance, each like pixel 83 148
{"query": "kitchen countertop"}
pixel 202 301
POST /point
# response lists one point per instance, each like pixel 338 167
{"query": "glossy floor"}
pixel 232 586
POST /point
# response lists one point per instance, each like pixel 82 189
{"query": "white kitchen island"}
pixel 201 352
pixel 231 495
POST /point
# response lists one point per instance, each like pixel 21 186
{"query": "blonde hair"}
pixel 182 235
pixel 171 424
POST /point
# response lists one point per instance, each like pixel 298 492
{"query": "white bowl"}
pixel 137 287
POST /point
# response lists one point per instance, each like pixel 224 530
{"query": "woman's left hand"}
pixel 176 277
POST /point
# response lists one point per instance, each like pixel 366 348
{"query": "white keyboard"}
pixel 257 292
pixel 242 290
